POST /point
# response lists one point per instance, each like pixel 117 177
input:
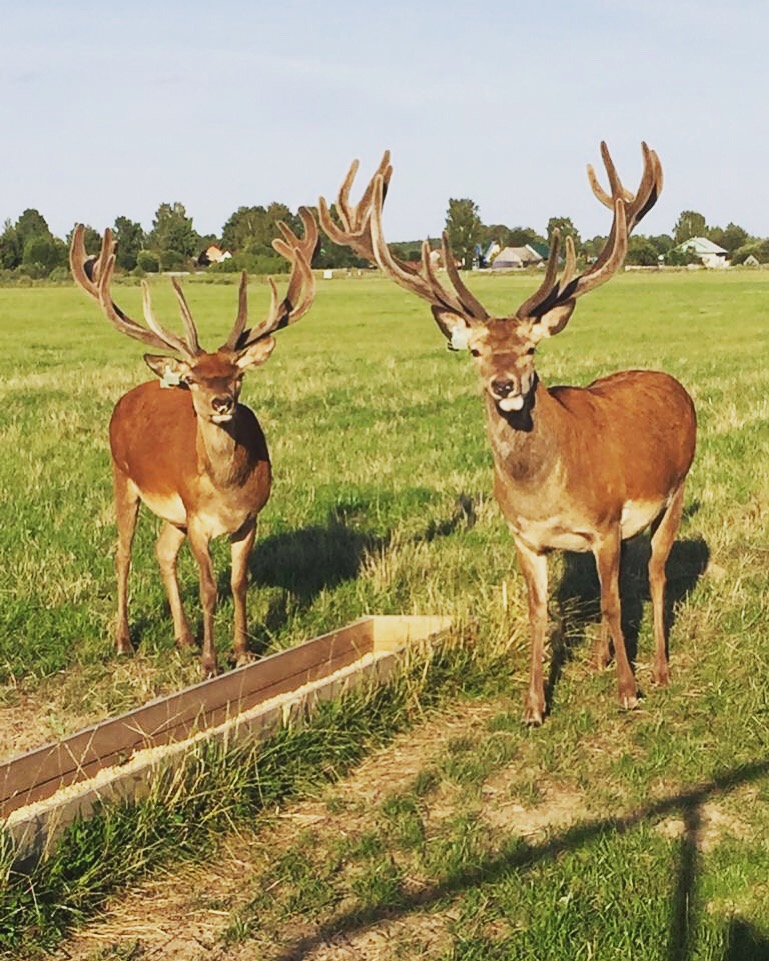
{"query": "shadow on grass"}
pixel 743 942
pixel 305 562
pixel 578 597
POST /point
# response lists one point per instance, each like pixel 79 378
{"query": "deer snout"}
pixel 502 387
pixel 508 392
pixel 223 405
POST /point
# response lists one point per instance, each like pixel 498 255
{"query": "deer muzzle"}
pixel 510 392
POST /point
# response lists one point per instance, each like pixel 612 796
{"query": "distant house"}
pixel 213 254
pixel 511 258
pixel 751 261
pixel 710 254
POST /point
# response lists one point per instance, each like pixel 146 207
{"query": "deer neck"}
pixel 525 444
pixel 220 453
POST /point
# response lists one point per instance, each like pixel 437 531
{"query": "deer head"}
pixel 213 379
pixel 502 347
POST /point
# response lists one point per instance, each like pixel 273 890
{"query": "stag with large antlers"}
pixel 577 469
pixel 184 446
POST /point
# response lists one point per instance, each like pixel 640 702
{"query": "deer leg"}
pixel 241 544
pixel 607 557
pixel 661 544
pixel 199 546
pixel 601 652
pixel 167 547
pixel 534 569
pixel 126 512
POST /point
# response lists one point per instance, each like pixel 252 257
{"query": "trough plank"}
pixel 40 773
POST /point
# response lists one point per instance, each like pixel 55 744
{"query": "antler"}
pixel 628 210
pixel 94 275
pixel 354 232
pixel 362 231
pixel 301 286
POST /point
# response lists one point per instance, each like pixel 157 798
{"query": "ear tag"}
pixel 170 378
pixel 460 337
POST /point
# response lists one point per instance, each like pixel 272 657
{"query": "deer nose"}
pixel 222 405
pixel 502 387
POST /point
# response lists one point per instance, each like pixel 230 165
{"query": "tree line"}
pixel 469 236
pixel 28 248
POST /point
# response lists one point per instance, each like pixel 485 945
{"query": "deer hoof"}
pixel 661 676
pixel 534 715
pixel 243 658
pixel 208 668
pixel 630 702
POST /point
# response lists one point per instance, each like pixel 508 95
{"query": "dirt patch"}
pixel 559 808
pixel 711 825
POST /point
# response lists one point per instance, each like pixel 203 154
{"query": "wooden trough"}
pixel 43 791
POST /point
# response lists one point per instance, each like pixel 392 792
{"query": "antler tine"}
pixel 289 240
pixel 242 319
pixel 94 275
pixel 301 286
pixel 636 205
pixel 188 349
pixel 354 218
pixel 189 324
pixel 529 307
pixel 86 269
pixel 628 210
pixel 423 281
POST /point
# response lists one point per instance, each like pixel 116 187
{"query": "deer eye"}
pixel 531 351
pixel 475 352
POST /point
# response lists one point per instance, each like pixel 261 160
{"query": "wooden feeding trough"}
pixel 43 791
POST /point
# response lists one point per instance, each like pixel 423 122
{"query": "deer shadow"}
pixel 578 599
pixel 307 561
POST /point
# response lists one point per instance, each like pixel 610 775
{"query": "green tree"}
pixel 172 236
pixel 43 254
pixel 510 236
pixel 11 249
pixel 566 228
pixel 31 224
pixel 663 243
pixel 642 252
pixel 689 224
pixel 592 248
pixel 130 239
pixel 147 261
pixel 252 229
pixel 730 237
pixel 464 229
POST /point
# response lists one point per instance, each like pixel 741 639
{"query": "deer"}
pixel 183 445
pixel 575 468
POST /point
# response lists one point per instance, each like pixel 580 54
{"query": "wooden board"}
pixel 317 668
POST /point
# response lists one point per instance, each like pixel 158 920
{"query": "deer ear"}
pixel 168 369
pixel 455 328
pixel 553 322
pixel 256 354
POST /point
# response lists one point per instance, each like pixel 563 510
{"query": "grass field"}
pixel 382 504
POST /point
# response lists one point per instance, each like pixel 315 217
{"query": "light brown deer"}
pixel 184 446
pixel 575 468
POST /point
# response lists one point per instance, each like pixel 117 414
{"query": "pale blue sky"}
pixel 111 108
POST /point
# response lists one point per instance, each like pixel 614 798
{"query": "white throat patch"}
pixel 512 402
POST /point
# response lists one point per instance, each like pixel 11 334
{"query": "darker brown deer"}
pixel 575 468
pixel 184 445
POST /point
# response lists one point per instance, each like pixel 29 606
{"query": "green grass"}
pixel 382 504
